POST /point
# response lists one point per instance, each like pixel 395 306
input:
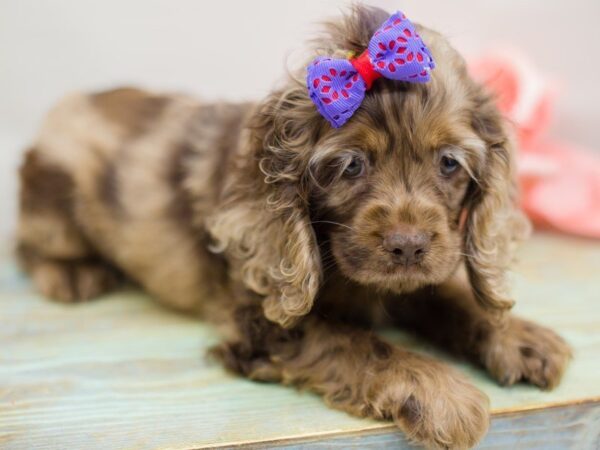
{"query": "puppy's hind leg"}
pixel 51 246
pixel 68 280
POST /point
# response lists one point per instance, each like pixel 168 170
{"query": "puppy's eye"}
pixel 448 165
pixel 355 168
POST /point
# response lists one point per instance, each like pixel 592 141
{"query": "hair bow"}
pixel 396 51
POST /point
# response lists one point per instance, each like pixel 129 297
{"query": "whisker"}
pixel 334 223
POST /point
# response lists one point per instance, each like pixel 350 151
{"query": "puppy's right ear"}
pixel 263 225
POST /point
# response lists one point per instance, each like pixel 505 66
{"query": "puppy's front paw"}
pixel 437 408
pixel 527 351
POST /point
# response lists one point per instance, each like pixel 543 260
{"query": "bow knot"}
pixel 396 51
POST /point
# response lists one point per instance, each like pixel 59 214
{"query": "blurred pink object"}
pixel 560 182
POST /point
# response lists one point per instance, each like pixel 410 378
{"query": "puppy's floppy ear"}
pixel 494 222
pixel 263 224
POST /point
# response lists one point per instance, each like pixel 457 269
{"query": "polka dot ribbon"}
pixel 396 51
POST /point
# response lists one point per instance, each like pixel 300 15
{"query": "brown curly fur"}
pixel 243 214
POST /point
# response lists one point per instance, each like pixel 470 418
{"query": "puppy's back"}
pixel 139 172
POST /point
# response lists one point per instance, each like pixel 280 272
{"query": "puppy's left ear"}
pixel 494 222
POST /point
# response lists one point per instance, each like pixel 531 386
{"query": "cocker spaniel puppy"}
pixel 299 238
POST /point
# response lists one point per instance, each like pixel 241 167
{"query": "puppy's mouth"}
pixel 396 268
pixel 375 265
pixel 383 265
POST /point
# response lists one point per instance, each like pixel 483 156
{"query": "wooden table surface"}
pixel 122 372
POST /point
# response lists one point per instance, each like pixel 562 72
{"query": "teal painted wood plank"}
pixel 575 427
pixel 122 372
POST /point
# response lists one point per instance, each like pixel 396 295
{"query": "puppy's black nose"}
pixel 406 247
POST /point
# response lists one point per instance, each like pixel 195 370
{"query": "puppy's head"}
pixel 419 179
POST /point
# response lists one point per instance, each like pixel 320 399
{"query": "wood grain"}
pixel 121 372
pixel 559 428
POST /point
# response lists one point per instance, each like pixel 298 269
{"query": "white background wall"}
pixel 50 47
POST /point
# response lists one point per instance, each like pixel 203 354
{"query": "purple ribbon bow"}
pixel 396 51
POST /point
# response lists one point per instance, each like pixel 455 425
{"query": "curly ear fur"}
pixel 495 223
pixel 264 224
